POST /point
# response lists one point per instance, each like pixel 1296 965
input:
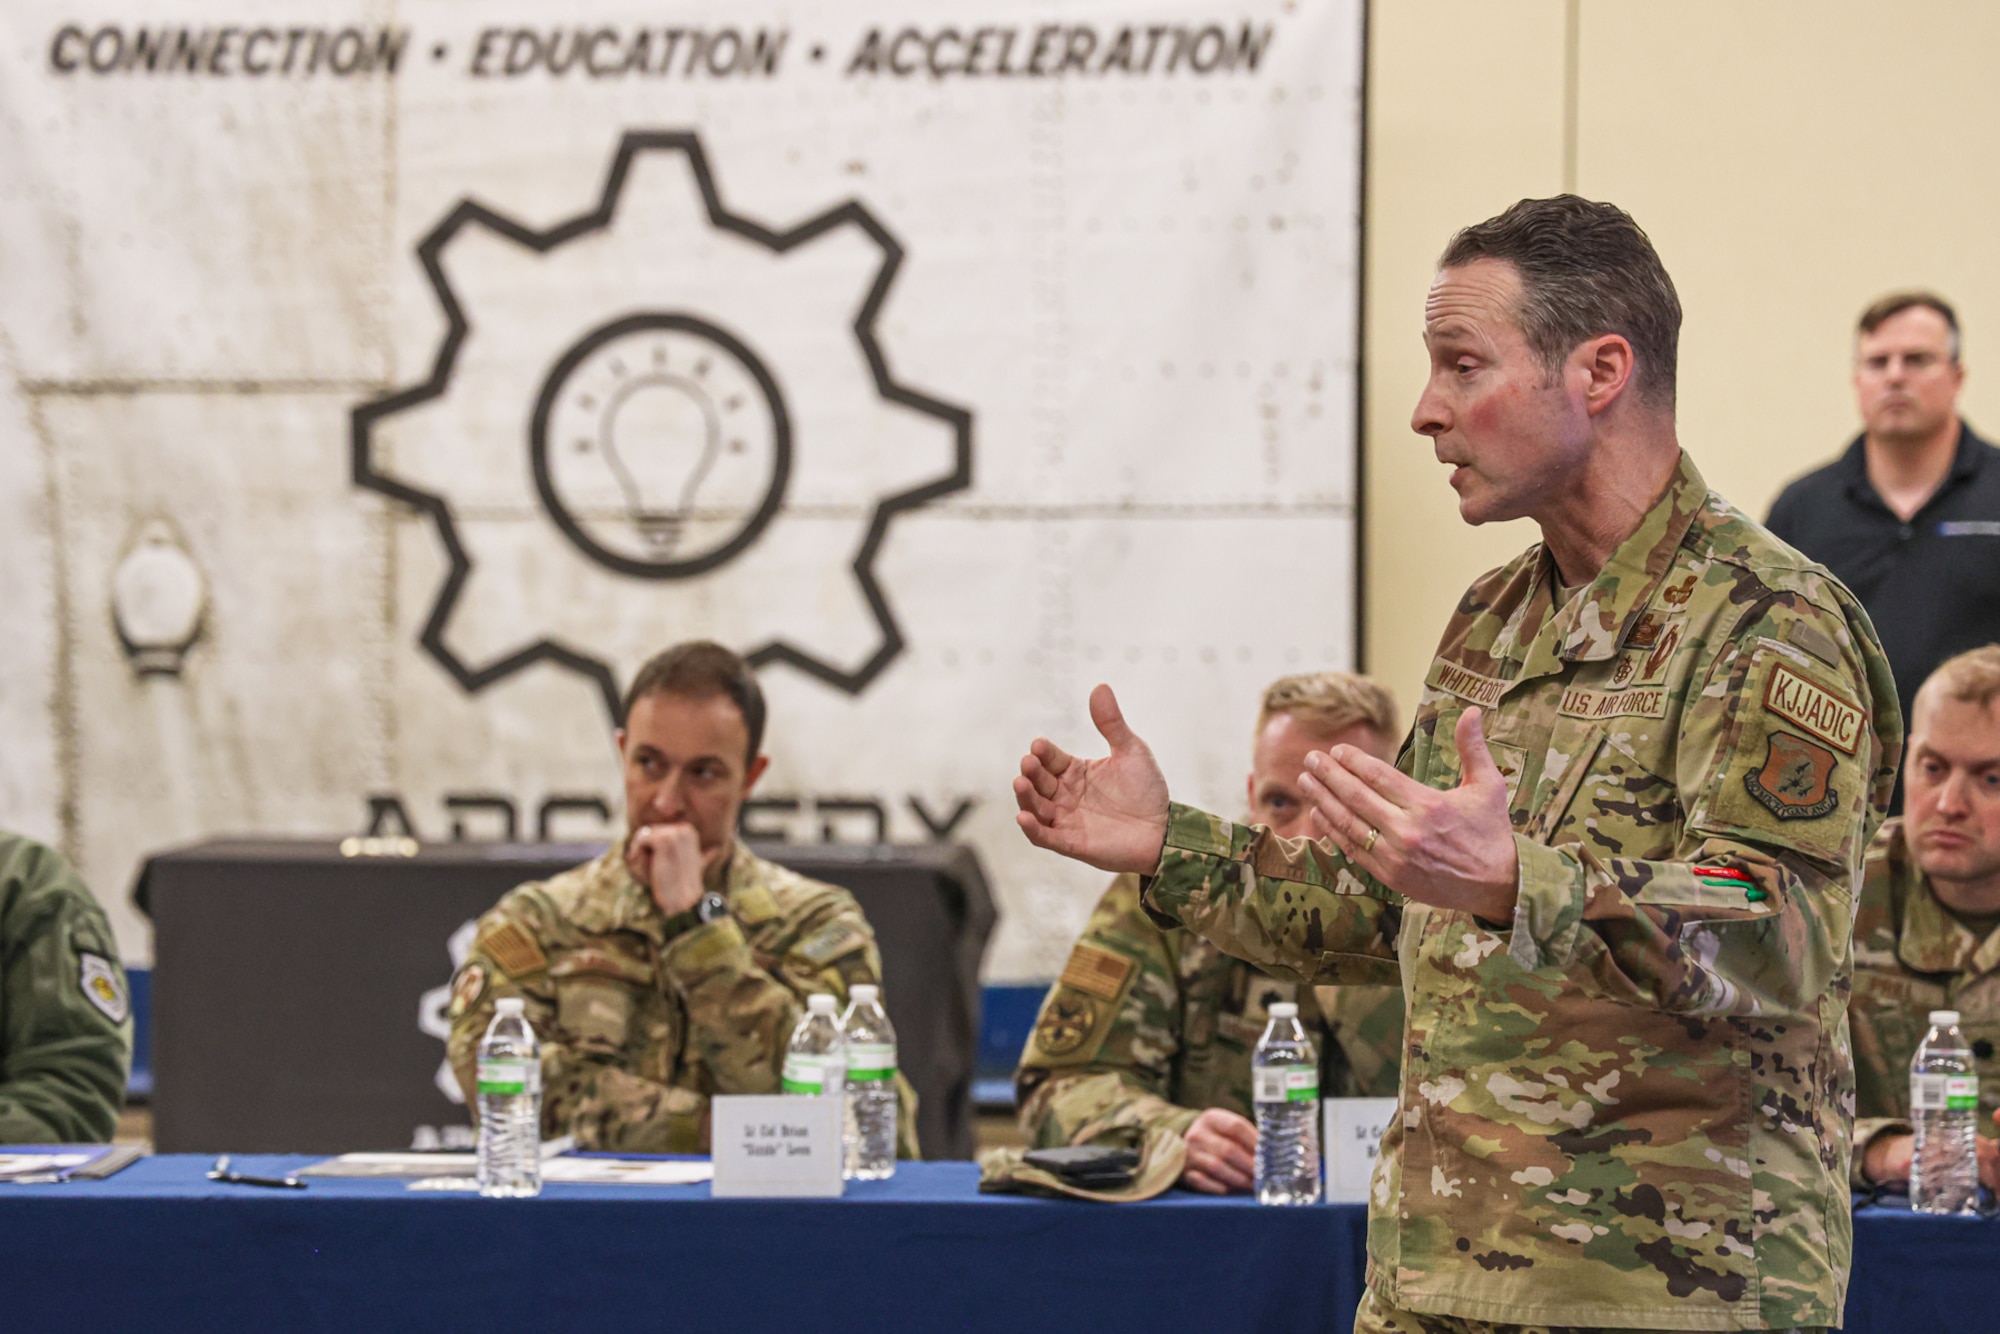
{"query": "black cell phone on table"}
pixel 1090 1165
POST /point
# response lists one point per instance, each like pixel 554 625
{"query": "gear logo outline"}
pixel 469 213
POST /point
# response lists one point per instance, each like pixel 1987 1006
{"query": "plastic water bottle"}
pixel 816 1057
pixel 510 1105
pixel 1284 1076
pixel 870 1134
pixel 1944 1103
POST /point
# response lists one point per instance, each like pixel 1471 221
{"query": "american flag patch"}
pixel 513 949
pixel 1097 971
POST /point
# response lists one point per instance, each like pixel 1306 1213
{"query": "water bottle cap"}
pixel 512 1006
pixel 865 994
pixel 1285 1010
pixel 1944 1018
pixel 819 1003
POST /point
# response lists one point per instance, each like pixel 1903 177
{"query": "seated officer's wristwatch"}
pixel 711 907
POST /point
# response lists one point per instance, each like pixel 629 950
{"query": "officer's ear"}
pixel 755 772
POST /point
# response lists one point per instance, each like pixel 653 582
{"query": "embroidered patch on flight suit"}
pixel 1794 782
pixel 1470 686
pixel 102 987
pixel 1066 1024
pixel 1813 708
pixel 1820 645
pixel 465 992
pixel 513 949
pixel 1647 703
pixel 1649 651
pixel 1100 972
pixel 836 940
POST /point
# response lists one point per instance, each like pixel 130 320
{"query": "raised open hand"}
pixel 1110 813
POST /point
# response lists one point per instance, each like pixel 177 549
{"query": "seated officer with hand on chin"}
pixel 1151 1026
pixel 1927 929
pixel 675 966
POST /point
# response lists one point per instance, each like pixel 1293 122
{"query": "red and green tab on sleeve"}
pixel 1728 878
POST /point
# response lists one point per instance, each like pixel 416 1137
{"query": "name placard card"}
pixel 776 1147
pixel 1352 1135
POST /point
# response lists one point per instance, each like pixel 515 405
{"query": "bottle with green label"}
pixel 509 1076
pixel 870 1136
pixel 816 1057
pixel 1944 1106
pixel 1284 1082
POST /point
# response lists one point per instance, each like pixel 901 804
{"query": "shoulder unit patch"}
pixel 1793 783
pixel 103 988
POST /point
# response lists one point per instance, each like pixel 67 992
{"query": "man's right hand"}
pixel 1110 813
pixel 1886 1161
pixel 1221 1153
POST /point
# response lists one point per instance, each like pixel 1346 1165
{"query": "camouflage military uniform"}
pixel 642 1018
pixel 1628 1106
pixel 1912 957
pixel 1150 1027
pixel 65 1011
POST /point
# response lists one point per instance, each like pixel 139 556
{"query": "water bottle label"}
pixel 870 1062
pixel 811 1074
pixel 506 1076
pixel 1286 1083
pixel 1944 1093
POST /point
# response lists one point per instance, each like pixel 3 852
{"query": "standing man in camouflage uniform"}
pixel 1928 933
pixel 1614 862
pixel 675 966
pixel 1153 1025
pixel 65 1010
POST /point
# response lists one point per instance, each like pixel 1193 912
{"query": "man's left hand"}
pixel 667 859
pixel 1451 849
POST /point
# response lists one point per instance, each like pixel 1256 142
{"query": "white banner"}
pixel 387 381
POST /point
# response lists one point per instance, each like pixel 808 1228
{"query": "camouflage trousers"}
pixel 1375 1317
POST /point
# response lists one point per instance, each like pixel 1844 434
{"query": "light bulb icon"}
pixel 661 445
pixel 660 438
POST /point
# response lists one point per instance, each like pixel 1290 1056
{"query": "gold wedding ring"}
pixel 1368 845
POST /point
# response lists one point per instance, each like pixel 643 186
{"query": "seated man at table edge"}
pixel 1152 1025
pixel 1927 929
pixel 675 966
pixel 66 1026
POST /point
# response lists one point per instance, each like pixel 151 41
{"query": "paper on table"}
pixel 605 1171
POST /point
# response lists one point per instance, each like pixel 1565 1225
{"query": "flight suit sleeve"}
pixel 1294 907
pixel 740 1017
pixel 1098 1066
pixel 1783 763
pixel 68 1026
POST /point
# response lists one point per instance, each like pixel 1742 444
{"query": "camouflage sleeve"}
pixel 67 1027
pixel 740 1017
pixel 1868 1129
pixel 1783 765
pixel 1294 907
pixel 1098 1066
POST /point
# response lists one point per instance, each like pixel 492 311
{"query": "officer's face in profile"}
pixel 686 762
pixel 1513 434
pixel 1279 759
pixel 1952 798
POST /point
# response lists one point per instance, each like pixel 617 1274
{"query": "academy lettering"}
pixel 227 51
pixel 1825 715
pixel 1059 50
pixel 610 53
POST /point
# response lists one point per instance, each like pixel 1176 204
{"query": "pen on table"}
pixel 221 1172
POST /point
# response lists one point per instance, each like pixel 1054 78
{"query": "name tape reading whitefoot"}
pixel 1046 51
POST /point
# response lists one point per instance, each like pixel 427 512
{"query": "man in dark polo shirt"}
pixel 1909 517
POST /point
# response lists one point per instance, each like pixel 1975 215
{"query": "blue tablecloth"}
pixel 158 1247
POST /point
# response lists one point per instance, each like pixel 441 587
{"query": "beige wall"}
pixel 1791 161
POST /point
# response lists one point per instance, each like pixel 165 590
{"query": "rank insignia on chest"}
pixel 1793 783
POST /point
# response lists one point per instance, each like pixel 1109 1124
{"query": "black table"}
pixel 158 1247
pixel 293 986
